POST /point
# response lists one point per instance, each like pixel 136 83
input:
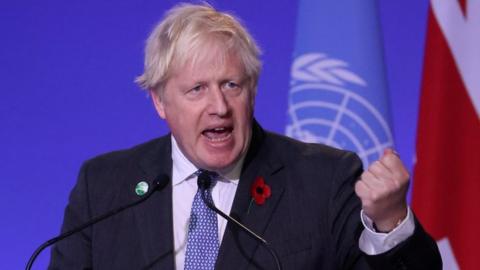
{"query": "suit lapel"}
pixel 154 217
pixel 237 248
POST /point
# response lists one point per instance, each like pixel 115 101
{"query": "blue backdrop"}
pixel 67 93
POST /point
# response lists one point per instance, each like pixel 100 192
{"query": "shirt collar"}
pixel 184 169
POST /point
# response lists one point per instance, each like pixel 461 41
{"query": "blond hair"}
pixel 187 28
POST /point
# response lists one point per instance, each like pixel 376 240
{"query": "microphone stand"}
pixel 204 183
pixel 157 185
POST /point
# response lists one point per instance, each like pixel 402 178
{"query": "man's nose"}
pixel 218 103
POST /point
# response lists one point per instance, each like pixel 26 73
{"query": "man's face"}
pixel 208 107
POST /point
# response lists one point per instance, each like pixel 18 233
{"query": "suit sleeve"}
pixel 419 251
pixel 74 252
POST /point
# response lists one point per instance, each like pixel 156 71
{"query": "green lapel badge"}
pixel 141 188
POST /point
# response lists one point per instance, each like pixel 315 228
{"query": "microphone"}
pixel 204 181
pixel 158 184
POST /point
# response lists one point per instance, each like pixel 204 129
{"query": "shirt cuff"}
pixel 374 243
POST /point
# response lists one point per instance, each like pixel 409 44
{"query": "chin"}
pixel 219 166
pixel 219 163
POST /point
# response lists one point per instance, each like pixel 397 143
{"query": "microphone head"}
pixel 160 182
pixel 204 181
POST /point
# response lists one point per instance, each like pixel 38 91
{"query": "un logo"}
pixel 326 106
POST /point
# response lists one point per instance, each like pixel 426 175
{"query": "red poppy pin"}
pixel 260 191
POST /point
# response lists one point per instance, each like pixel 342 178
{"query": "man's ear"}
pixel 158 103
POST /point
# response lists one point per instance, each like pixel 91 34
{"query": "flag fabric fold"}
pixel 446 190
pixel 338 90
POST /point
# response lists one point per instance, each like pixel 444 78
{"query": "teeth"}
pixel 219 139
pixel 218 134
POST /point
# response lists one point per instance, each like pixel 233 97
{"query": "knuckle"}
pixel 357 186
pixel 402 177
pixel 375 196
pixel 376 166
pixel 360 190
pixel 392 161
pixel 366 176
pixel 396 185
pixel 367 204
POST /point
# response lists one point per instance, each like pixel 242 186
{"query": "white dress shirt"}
pixel 374 243
pixel 184 188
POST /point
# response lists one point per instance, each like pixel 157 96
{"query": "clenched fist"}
pixel 382 188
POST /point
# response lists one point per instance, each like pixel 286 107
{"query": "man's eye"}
pixel 195 92
pixel 231 85
pixel 196 88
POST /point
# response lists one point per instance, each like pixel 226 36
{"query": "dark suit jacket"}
pixel 311 219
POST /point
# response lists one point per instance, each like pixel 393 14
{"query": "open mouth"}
pixel 218 134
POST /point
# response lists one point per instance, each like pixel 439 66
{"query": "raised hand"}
pixel 382 188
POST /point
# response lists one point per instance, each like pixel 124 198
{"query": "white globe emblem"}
pixel 322 109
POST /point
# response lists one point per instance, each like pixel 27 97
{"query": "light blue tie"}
pixel 202 239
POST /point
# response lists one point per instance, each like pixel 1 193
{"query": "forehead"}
pixel 209 58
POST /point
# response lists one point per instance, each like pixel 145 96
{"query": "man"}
pixel 201 70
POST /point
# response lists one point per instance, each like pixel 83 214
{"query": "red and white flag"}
pixel 446 191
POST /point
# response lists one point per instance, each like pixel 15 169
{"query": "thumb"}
pixel 388 151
